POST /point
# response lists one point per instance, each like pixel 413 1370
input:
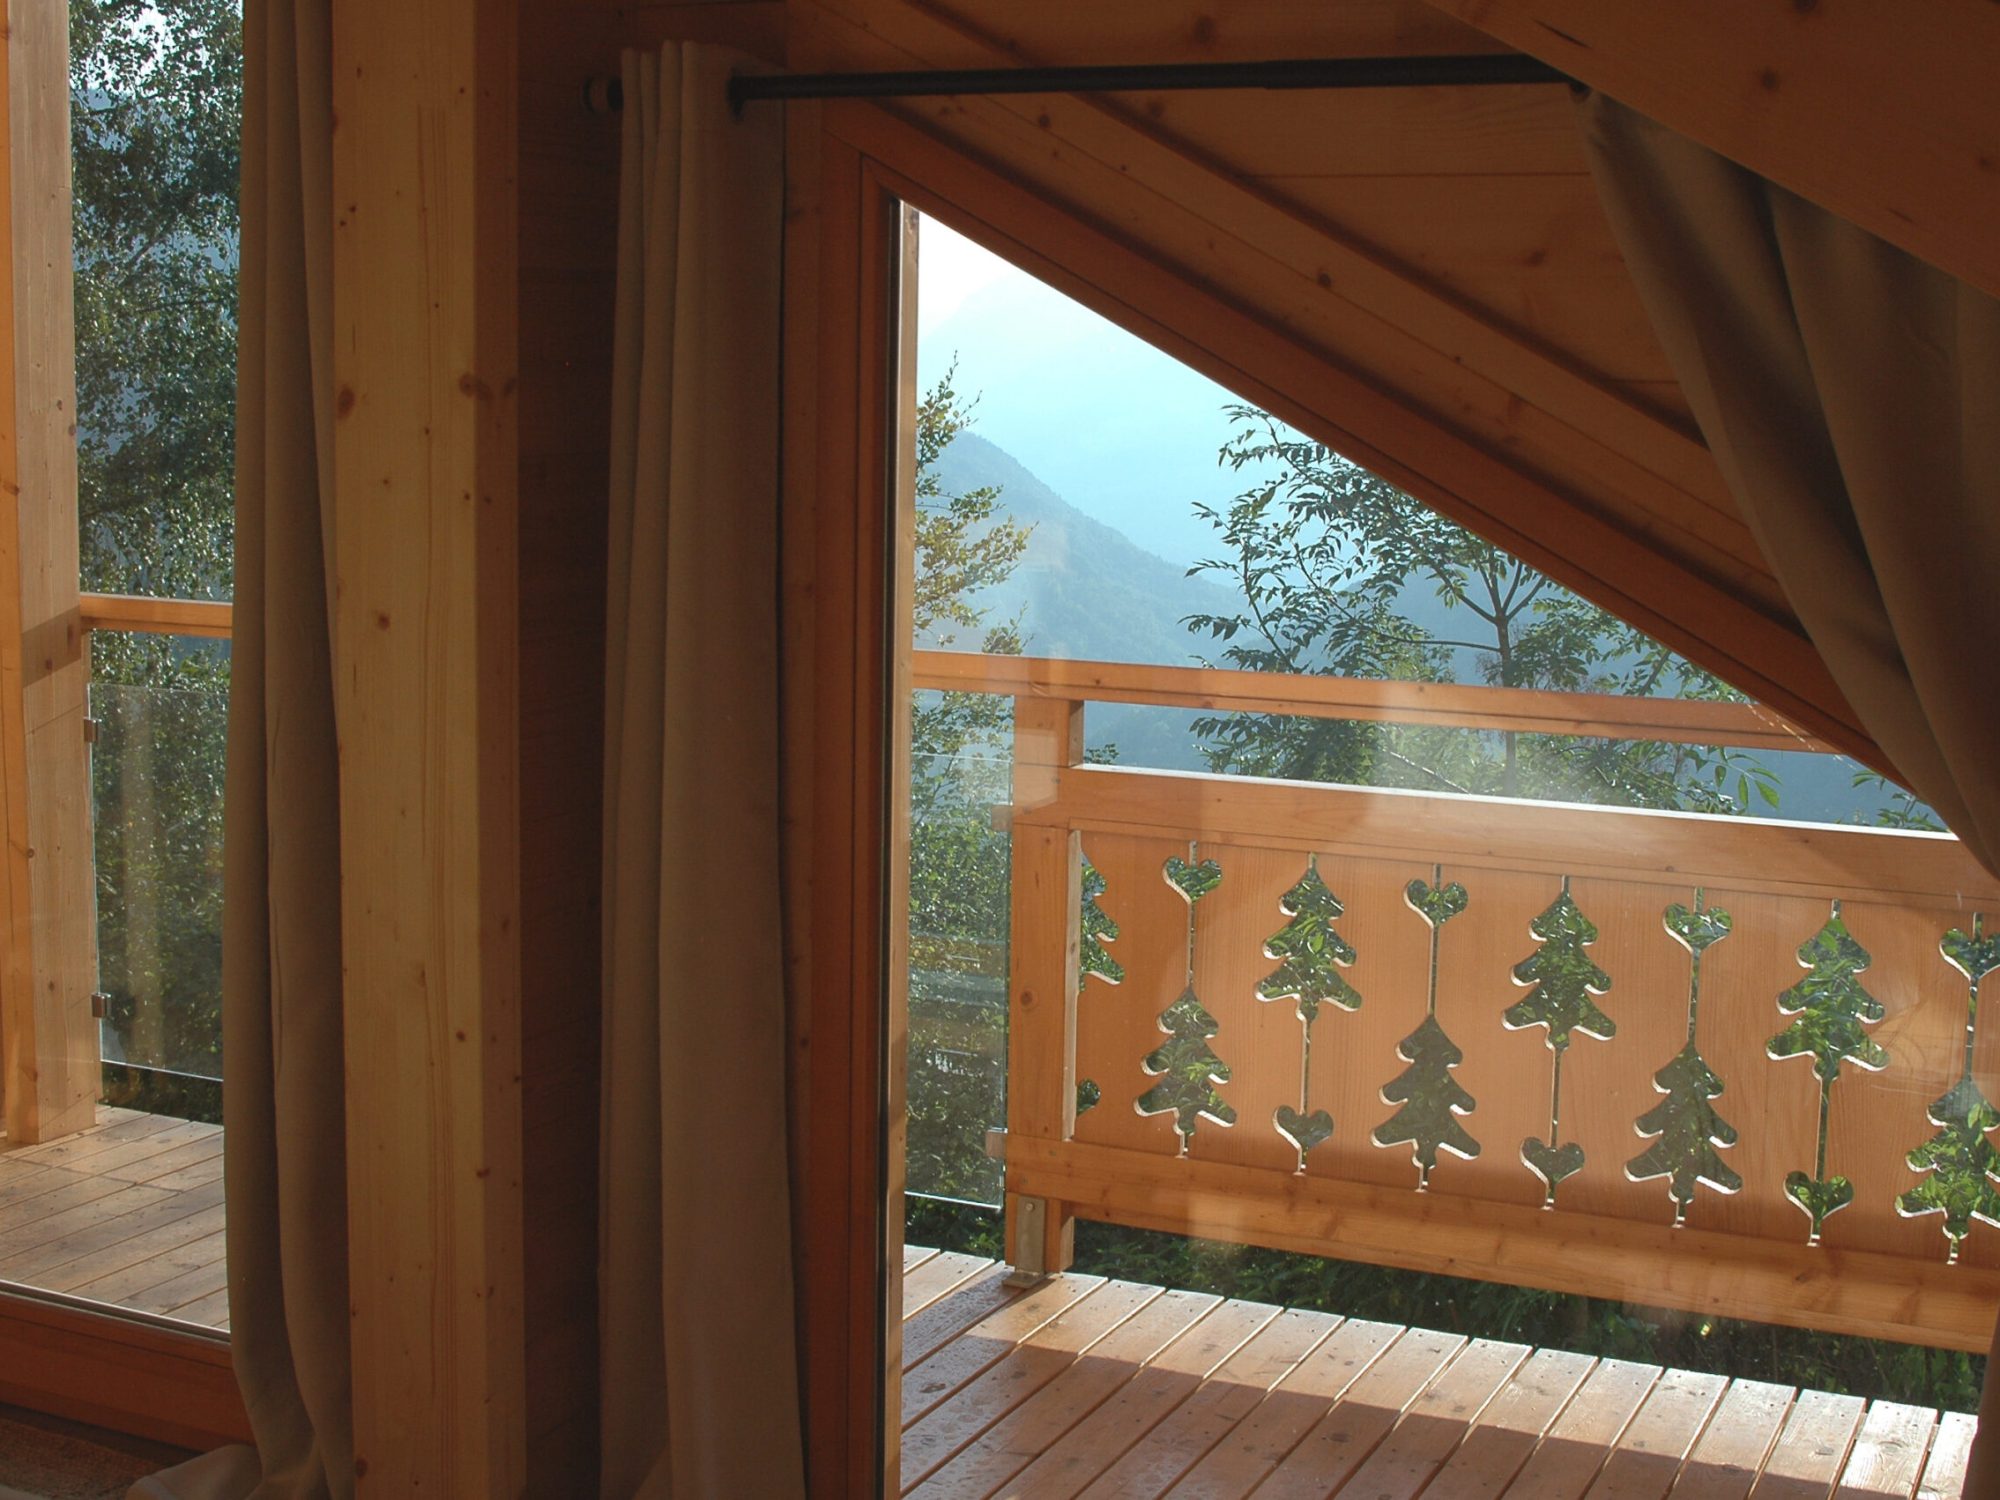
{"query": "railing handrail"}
pixel 1453 705
pixel 144 614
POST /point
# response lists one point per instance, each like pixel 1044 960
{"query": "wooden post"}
pixel 425 296
pixel 1041 1025
pixel 48 927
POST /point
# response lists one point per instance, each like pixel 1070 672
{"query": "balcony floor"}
pixel 1081 1386
pixel 128 1212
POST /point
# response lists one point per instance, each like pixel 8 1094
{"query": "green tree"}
pixel 958 860
pixel 1327 559
pixel 1564 983
pixel 155 112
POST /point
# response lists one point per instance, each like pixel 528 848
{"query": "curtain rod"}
pixel 1303 73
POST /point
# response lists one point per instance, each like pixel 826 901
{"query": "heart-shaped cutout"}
pixel 1697 929
pixel 1436 904
pixel 1552 1164
pixel 1821 1198
pixel 1974 956
pixel 1193 881
pixel 1303 1131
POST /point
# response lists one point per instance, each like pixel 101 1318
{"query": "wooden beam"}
pixel 123 1373
pixel 425 652
pixel 1453 705
pixel 47 891
pixel 209 618
pixel 1882 113
pixel 1866 1293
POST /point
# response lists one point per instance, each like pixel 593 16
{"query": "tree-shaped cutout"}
pixel 1690 1134
pixel 1563 985
pixel 1095 930
pixel 1832 1008
pixel 1187 1067
pixel 1960 1162
pixel 1431 1099
pixel 1311 955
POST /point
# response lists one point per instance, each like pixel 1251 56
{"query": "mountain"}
pixel 1086 591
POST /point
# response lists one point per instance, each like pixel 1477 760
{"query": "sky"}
pixel 1123 432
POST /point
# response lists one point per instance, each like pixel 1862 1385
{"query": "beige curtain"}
pixel 700 1391
pixel 1851 394
pixel 284 1108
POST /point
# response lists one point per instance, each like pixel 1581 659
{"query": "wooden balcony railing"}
pixel 1717 1064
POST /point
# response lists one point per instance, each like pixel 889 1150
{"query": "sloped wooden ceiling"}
pixel 1421 277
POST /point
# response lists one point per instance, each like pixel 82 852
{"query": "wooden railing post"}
pixel 1042 972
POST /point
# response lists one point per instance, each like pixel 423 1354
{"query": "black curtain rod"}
pixel 1303 73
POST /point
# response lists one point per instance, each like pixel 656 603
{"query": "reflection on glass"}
pixel 161 706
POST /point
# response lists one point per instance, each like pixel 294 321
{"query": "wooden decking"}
pixel 129 1213
pixel 1082 1386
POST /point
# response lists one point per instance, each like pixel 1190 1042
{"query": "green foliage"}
pixel 155 125
pixel 1097 929
pixel 1831 1006
pixel 1562 977
pixel 1193 880
pixel 1330 563
pixel 1187 1068
pixel 1684 1126
pixel 1431 1100
pixel 155 118
pixel 1312 953
pixel 1688 1129
pixel 1960 1159
pixel 959 862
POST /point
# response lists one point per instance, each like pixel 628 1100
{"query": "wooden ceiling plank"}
pixel 1882 113
pixel 1620 571
pixel 1466 369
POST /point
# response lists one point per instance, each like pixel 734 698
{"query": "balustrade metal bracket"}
pixel 1031 1217
pixel 90 731
pixel 996 1144
pixel 100 1006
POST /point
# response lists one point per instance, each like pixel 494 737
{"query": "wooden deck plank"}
pixel 198 1151
pixel 914 1256
pixel 1181 1435
pixel 929 1385
pixel 1044 1354
pixel 179 1247
pixel 1740 1436
pixel 92 1147
pixel 1810 1452
pixel 21 1241
pixel 1506 1433
pixel 1363 1417
pixel 1567 1461
pixel 78 1191
pixel 139 1218
pixel 1888 1457
pixel 25 1180
pixel 1242 1459
pixel 1080 1455
pixel 937 1276
pixel 208 1276
pixel 199 1175
pixel 210 1312
pixel 937 1325
pixel 1438 1421
pixel 1647 1458
pixel 1944 1475
pixel 1014 1442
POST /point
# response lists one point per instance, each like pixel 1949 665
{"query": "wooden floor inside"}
pixel 129 1213
pixel 1083 1386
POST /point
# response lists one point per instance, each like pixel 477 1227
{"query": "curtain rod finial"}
pixel 603 96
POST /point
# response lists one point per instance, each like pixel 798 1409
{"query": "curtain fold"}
pixel 1851 395
pixel 284 1107
pixel 700 1390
